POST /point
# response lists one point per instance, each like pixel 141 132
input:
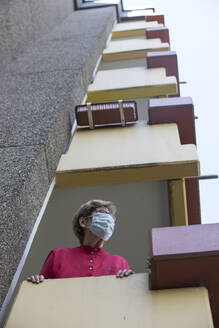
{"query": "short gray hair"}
pixel 86 210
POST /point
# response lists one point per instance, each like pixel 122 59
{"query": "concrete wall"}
pixel 38 93
pixel 25 21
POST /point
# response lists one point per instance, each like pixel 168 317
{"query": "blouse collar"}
pixel 89 248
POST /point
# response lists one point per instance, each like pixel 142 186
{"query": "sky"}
pixel 194 29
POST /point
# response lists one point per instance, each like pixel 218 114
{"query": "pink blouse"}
pixel 83 261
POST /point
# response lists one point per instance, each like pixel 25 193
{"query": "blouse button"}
pixel 91 261
pixel 90 268
pixel 92 252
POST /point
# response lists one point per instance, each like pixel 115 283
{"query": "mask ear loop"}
pixel 90 116
pixel 122 115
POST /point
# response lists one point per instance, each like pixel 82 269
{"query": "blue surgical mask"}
pixel 102 225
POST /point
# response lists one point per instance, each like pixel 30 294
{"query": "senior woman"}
pixel 93 224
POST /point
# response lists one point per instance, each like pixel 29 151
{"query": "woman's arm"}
pixel 46 271
pixel 125 270
pixel 36 278
pixel 48 267
pixel 124 273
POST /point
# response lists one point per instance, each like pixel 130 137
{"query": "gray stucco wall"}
pixel 38 93
pixel 25 21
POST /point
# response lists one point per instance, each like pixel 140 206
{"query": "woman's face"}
pixel 98 225
pixel 103 223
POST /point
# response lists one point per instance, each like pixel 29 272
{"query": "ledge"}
pixel 128 299
pixel 114 84
pixel 128 29
pixel 132 48
pixel 161 156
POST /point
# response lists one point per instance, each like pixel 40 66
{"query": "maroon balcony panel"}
pixel 180 110
pixel 167 59
pixel 187 256
pixel 157 18
pixel 161 33
pixel 193 200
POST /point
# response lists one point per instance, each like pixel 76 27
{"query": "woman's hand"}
pixel 36 278
pixel 124 273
